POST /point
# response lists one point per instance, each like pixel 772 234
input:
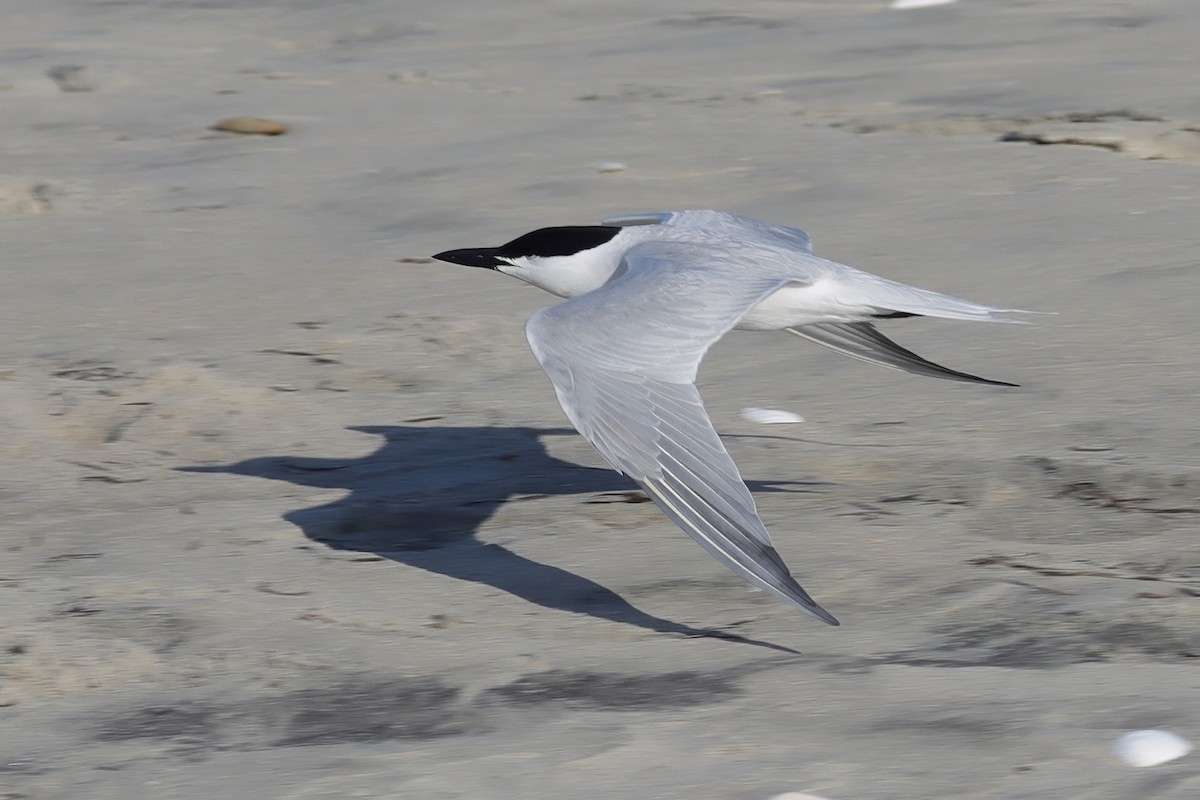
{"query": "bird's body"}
pixel 647 296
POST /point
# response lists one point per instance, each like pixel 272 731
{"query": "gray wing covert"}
pixel 735 225
pixel 645 218
pixel 623 361
pixel 794 237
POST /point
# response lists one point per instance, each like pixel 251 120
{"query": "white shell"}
pixel 796 796
pixel 1150 748
pixel 901 4
pixel 605 167
pixel 770 416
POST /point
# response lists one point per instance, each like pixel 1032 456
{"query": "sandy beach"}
pixel 291 512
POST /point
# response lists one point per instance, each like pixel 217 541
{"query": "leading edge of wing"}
pixel 644 218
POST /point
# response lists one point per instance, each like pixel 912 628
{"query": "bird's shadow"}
pixel 420 498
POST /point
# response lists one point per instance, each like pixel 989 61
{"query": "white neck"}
pixel 570 276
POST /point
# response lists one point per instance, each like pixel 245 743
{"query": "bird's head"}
pixel 566 261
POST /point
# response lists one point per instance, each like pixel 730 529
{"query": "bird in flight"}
pixel 647 296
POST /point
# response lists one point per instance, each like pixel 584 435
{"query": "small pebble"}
pixel 765 96
pixel 1150 748
pixel 770 416
pixel 263 127
pixel 609 166
pixel 71 78
pixel 409 76
pixel 797 796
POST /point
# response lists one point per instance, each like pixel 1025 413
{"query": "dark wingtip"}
pixel 978 379
pixel 802 600
pixel 824 616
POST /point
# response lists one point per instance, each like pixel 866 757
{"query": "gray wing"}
pixel 794 237
pixel 863 341
pixel 623 362
pixel 746 227
pixel 646 218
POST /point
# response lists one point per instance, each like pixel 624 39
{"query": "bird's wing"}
pixel 793 237
pixel 745 228
pixel 623 362
pixel 646 218
pixel 863 341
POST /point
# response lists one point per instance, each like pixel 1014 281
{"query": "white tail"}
pixel 892 296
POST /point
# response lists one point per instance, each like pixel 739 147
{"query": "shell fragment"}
pixel 770 416
pixel 1150 748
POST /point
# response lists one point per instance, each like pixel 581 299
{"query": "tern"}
pixel 647 296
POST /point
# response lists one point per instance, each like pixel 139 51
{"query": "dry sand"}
pixel 291 513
